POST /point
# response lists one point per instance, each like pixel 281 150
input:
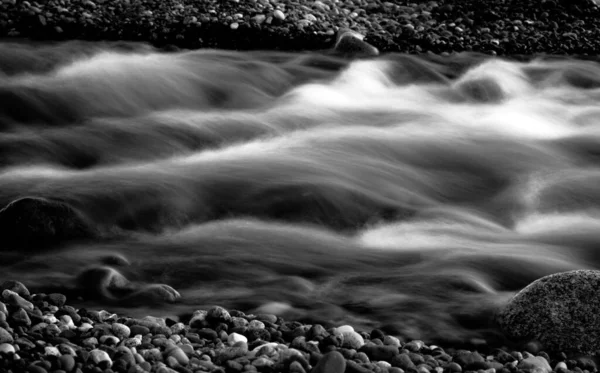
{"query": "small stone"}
pixel 403 361
pixel 535 364
pixel 454 367
pixel 353 340
pixel 218 314
pixel 7 348
pixel 256 324
pixel 17 287
pixel 465 358
pixel 178 354
pixel 198 319
pixel 234 338
pixel 33 368
pixel 109 340
pixel 278 14
pixel 90 342
pixel 133 342
pixel 5 336
pixel 51 351
pixel 376 352
pixel 122 331
pixel 310 17
pixel 561 367
pixel 390 340
pixel 138 329
pixel 21 317
pixel 84 327
pixel 331 362
pixel 56 299
pixel 414 346
pixel 296 367
pixel 259 18
pixel 208 334
pixel 262 362
pixel 15 299
pixel 230 353
pixel 67 362
pixel 585 363
pixel 266 317
pixel 100 356
pixel 344 329
pixel 67 321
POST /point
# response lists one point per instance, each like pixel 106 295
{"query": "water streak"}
pixel 411 193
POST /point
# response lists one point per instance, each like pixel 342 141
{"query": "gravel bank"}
pixel 40 333
pixel 504 27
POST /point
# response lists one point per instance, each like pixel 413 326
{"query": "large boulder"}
pixel 31 222
pixel 562 311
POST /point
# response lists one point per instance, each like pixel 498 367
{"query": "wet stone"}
pixel 561 311
pixel 375 352
pixel 56 299
pixel 17 287
pixel 332 362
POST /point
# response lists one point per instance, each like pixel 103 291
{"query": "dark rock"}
pixel 20 317
pixel 56 299
pixel 562 311
pixel 586 363
pixel 316 332
pixel 466 358
pixel 31 222
pixel 503 356
pixel 17 287
pixel 351 44
pixel 218 315
pixel 67 362
pixel 375 352
pixel 354 367
pixel 403 361
pixel 332 362
pixel 138 329
pixel 377 333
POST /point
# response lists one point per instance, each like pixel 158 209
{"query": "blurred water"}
pixel 412 193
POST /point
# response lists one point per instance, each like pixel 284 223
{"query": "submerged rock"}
pixel 32 222
pixel 562 311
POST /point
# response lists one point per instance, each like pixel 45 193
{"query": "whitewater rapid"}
pixel 411 193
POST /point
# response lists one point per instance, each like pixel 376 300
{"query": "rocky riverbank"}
pixel 40 333
pixel 494 27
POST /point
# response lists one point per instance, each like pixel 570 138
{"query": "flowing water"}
pixel 415 194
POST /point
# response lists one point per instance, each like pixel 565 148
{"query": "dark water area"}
pixel 414 194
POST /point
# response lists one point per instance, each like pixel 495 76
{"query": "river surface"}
pixel 414 194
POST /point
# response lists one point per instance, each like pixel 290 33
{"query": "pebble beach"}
pixel 508 27
pixel 41 333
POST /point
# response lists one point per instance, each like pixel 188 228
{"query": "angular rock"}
pixel 351 44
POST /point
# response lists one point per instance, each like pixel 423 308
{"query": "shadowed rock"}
pixel 39 223
pixel 350 43
pixel 562 311
pixel 106 283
